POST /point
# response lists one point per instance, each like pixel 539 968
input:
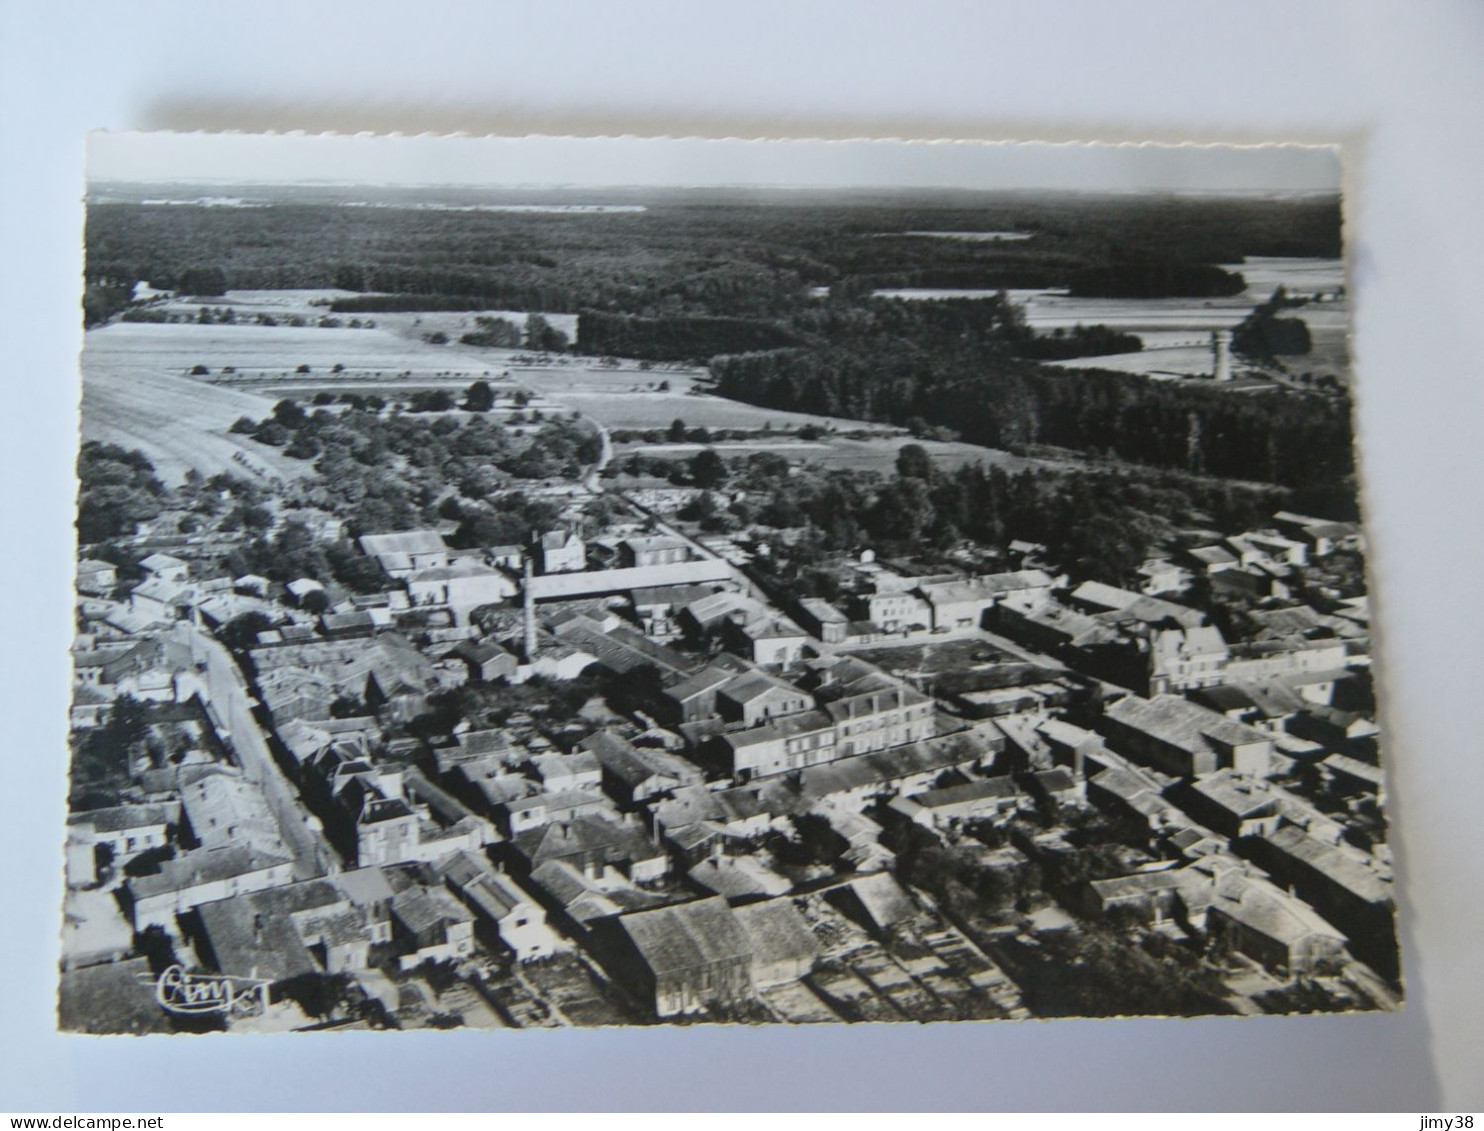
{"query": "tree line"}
pixel 976 386
pixel 1096 523
pixel 734 257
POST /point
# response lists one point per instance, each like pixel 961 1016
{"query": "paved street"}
pixel 312 854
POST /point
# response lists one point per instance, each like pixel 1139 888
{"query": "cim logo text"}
pixel 180 992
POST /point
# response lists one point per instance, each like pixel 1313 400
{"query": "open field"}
pixel 314 304
pixel 588 377
pixel 177 421
pixel 138 392
pixel 454 323
pixel 1300 276
pixel 972 237
pixel 656 410
pixel 627 398
pixel 834 452
pixel 1168 363
pixel 277 303
pixel 272 351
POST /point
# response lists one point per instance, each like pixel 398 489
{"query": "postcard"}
pixel 535 582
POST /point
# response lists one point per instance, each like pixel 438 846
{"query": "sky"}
pixel 230 158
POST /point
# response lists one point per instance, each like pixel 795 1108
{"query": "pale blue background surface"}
pixel 1401 84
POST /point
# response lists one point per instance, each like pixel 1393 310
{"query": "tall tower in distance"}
pixel 529 602
pixel 1221 349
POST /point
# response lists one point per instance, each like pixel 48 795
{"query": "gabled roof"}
pixel 686 936
pixel 121 818
pixel 202 866
pixel 257 931
pixel 809 722
pixel 1184 643
pixel 883 899
pixel 981 790
pixel 1213 555
pixel 364 886
pixel 1237 794
pixel 718 605
pixel 1271 912
pixel 110 998
pixel 655 542
pixel 403 542
pixel 159 589
pixel 1154 610
pixel 706 680
pixel 738 877
pixel 754 685
pixel 777 932
pixel 1182 723
pixel 823 611
pixel 421 909
pixel 588 836
pixel 549 766
pixel 1335 864
pixel 156 562
pixel 1108 596
pixel 668 595
pixel 461 567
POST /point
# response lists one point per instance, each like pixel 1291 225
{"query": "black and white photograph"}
pixel 535 582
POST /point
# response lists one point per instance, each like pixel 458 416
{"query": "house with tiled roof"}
pixel 631 774
pixel 1184 739
pixel 200 876
pixel 690 957
pixel 596 846
pixel 96 577
pixel 559 551
pixel 404 553
pixel 1270 926
pixel 283 933
pixel 1181 659
pixel 431 926
pixel 505 914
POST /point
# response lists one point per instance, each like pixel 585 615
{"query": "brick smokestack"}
pixel 529 598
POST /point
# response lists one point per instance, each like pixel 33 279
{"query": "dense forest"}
pixel 990 397
pixel 741 255
pixel 680 338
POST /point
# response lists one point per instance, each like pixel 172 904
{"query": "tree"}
pixel 479 397
pixel 676 432
pixel 272 433
pixel 430 400
pixel 707 469
pixel 128 720
pixel 542 335
pixel 303 446
pixel 241 632
pixel 493 332
pixel 913 462
pixel 315 601
pixel 203 281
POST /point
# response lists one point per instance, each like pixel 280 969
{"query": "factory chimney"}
pixel 529 598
